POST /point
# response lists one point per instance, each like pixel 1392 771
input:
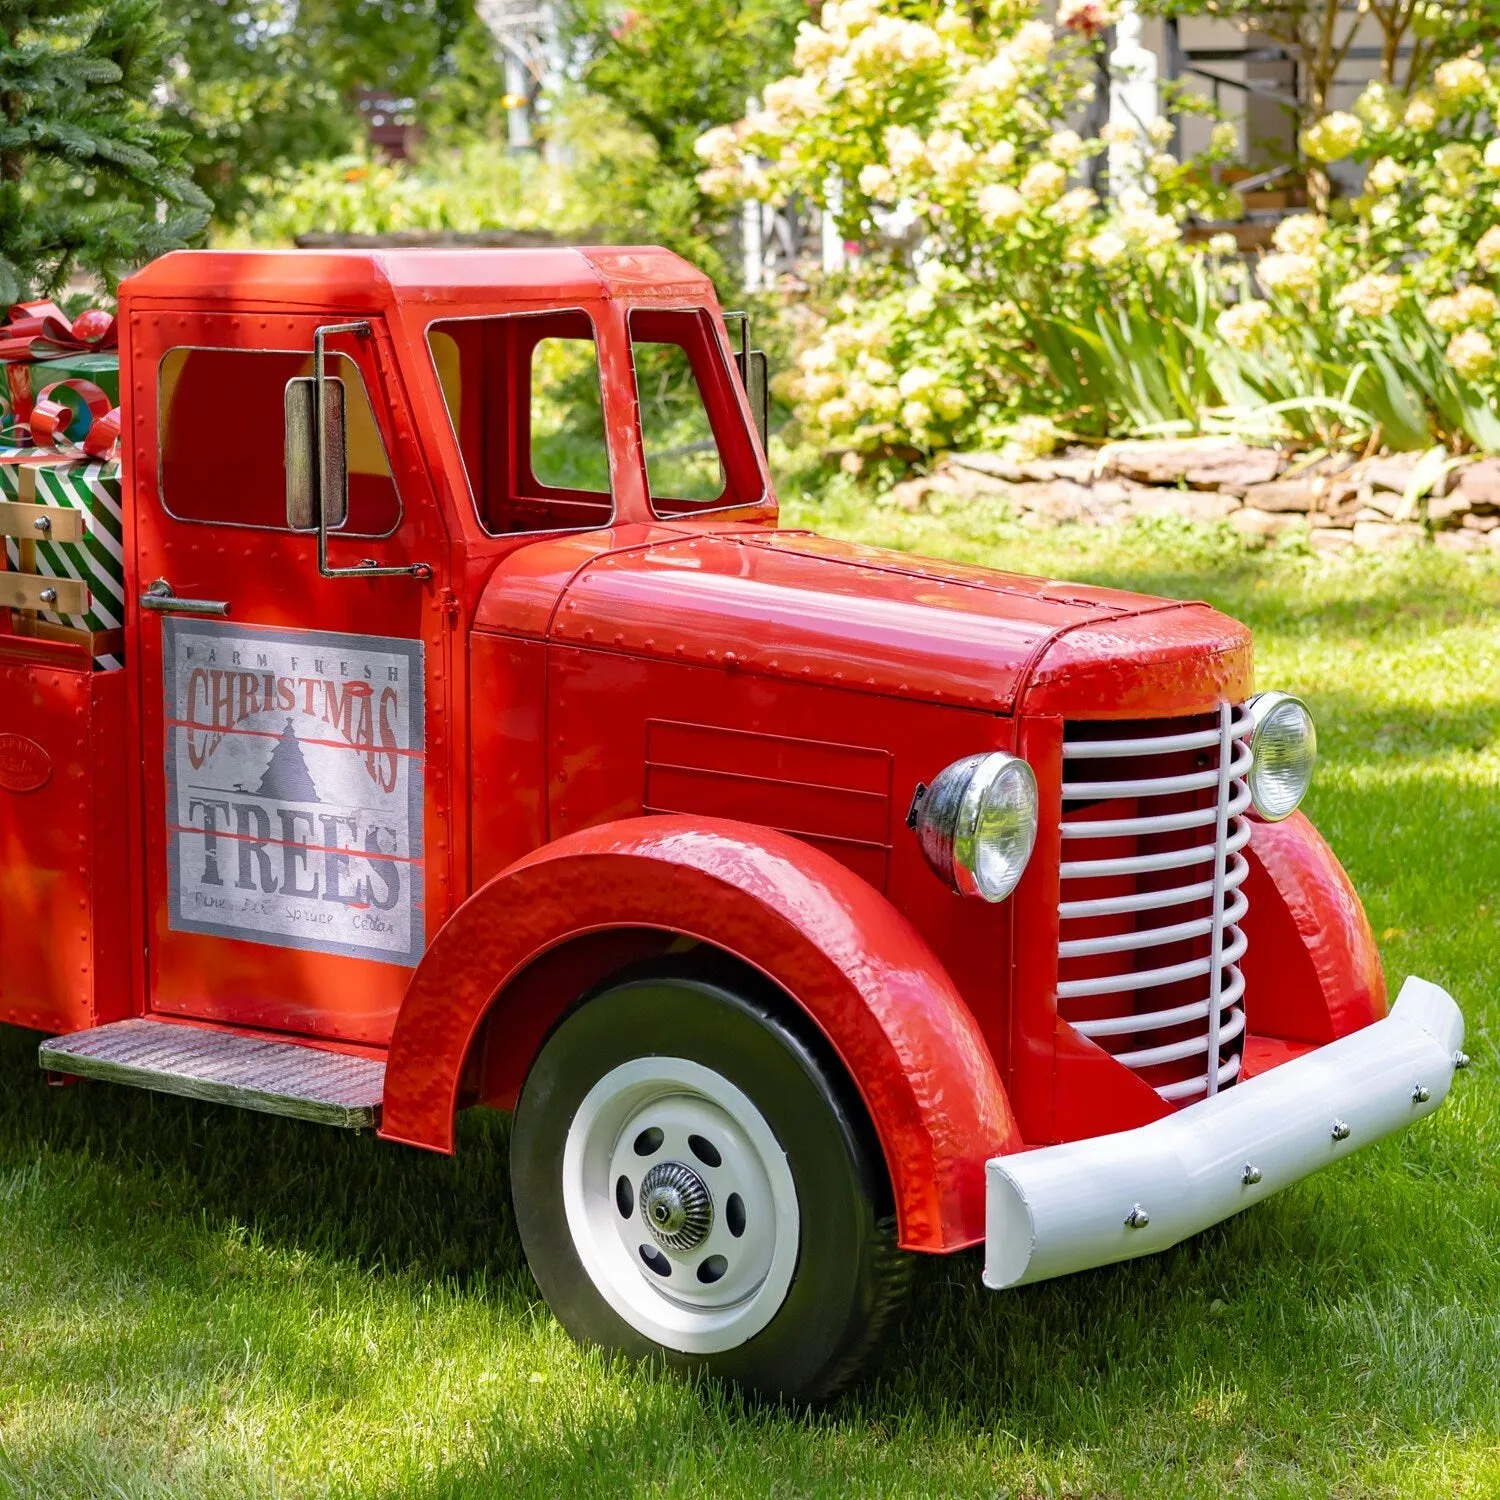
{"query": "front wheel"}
pixel 690 1183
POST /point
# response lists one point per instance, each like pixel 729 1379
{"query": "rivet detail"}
pixel 1137 1218
pixel 1421 1094
pixel 1250 1174
pixel 1340 1131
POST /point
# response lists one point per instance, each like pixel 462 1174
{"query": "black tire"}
pixel 849 1277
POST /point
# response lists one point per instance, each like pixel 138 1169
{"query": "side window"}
pixel 220 429
pixel 523 394
pixel 698 450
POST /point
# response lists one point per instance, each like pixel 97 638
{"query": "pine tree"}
pixel 90 179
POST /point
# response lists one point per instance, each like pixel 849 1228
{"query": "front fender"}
pixel 1312 970
pixel 829 940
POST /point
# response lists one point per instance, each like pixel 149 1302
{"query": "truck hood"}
pixel 804 607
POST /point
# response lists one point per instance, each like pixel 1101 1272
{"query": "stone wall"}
pixel 1341 503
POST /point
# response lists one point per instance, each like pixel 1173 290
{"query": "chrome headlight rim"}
pixel 949 815
pixel 1263 708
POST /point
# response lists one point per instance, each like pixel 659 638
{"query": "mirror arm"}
pixel 422 571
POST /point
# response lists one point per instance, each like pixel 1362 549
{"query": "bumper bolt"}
pixel 1137 1218
pixel 1250 1175
pixel 1421 1094
pixel 1460 1061
pixel 1340 1131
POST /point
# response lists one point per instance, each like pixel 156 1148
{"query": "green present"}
pixel 98 560
pixel 25 380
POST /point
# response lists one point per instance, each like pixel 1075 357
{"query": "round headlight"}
pixel 977 824
pixel 1283 751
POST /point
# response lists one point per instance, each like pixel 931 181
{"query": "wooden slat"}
pixel 28 590
pixel 63 523
pixel 96 642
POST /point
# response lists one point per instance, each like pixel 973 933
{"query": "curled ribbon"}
pixel 90 428
pixel 41 330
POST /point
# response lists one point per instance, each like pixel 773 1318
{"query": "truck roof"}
pixel 359 280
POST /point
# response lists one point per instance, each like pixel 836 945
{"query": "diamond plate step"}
pixel 277 1078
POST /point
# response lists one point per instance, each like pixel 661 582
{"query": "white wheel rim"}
pixel 714 1265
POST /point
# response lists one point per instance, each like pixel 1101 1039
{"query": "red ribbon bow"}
pixel 41 330
pixel 88 429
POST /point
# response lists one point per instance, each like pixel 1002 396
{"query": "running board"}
pixel 224 1067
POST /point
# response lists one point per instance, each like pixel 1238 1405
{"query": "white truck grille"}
pixel 1148 958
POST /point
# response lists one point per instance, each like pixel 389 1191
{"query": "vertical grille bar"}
pixel 1221 868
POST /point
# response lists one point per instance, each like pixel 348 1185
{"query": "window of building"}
pixel 523 395
pixel 698 450
pixel 223 455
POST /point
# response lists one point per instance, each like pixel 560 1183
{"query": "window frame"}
pixel 436 325
pixel 284 530
pixel 691 509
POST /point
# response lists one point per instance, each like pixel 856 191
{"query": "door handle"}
pixel 160 599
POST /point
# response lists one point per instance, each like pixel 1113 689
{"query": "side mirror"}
pixel 755 377
pixel 306 483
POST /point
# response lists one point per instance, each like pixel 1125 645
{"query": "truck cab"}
pixel 479 738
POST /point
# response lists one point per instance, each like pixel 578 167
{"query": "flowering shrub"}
pixel 998 300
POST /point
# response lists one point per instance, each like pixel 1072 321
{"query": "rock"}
pixel 1480 523
pixel 1383 504
pixel 1479 483
pixel 993 464
pixel 910 493
pixel 1195 505
pixel 1448 510
pixel 1206 463
pixel 1386 536
pixel 1321 521
pixel 1284 495
pixel 1263 524
pixel 1390 473
pixel 1056 500
pixel 1461 541
pixel 1332 539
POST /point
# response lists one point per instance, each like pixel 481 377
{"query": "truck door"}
pixel 288 717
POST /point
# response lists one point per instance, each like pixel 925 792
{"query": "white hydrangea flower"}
pixel 1161 131
pixel 1032 438
pixel 1385 213
pixel 1421 111
pixel 1385 175
pixel 1487 250
pixel 1118 133
pixel 1492 155
pixel 1459 79
pixel 905 149
pixel 1065 146
pixel 1043 182
pixel 837 413
pixel 1148 230
pixel 1245 325
pixel 916 416
pixel 1477 304
pixel 1289 273
pixel 917 379
pixel 1379 106
pixel 1225 136
pixel 877 181
pixel 1223 243
pixel 1302 234
pixel 1001 155
pixel 951 156
pixel 1445 314
pixel 1333 137
pixel 949 402
pixel 1106 247
pixel 1074 206
pixel 721 182
pixel 820 386
pixel 815 47
pixel 1371 296
pixel 1471 353
pixel 1163 164
pixel 1031 46
pixel 876 370
pixel 1000 206
pixel 819 356
pixel 791 99
pixel 719 147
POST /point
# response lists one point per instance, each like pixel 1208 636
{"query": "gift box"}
pixel 25 379
pixel 75 554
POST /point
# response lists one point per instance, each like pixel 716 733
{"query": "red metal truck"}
pixel 479 739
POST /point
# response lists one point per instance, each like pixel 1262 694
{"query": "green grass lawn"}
pixel 199 1302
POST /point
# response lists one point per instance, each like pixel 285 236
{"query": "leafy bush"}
pixel 999 303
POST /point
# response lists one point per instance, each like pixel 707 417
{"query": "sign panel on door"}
pixel 294 788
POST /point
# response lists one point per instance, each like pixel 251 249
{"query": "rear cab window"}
pixel 698 450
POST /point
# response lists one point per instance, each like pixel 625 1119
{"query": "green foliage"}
pixel 673 68
pixel 90 178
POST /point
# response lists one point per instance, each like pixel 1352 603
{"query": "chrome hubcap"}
pixel 676 1205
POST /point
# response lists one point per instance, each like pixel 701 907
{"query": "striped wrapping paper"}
pixel 99 560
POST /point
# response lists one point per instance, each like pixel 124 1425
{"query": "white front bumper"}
pixel 1060 1209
